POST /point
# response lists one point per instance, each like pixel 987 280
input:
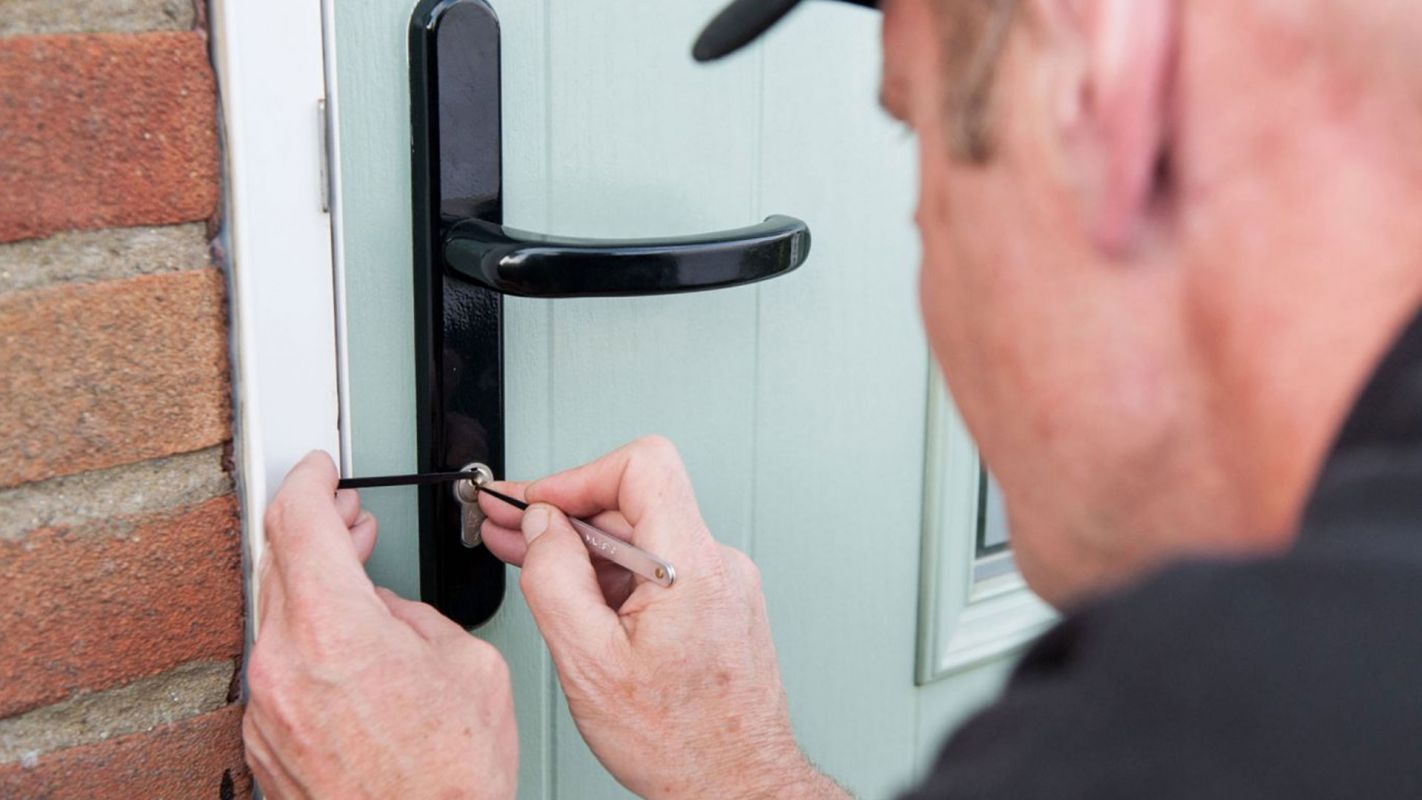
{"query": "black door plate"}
pixel 456 172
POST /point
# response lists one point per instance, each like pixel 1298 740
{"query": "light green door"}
pixel 802 406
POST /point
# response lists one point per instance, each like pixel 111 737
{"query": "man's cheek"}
pixel 928 304
pixel 942 275
pixel 944 318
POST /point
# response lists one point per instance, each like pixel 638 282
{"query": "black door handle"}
pixel 465 261
pixel 510 261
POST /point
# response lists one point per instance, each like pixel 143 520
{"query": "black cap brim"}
pixel 741 22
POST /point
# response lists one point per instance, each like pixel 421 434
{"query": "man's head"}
pixel 1163 243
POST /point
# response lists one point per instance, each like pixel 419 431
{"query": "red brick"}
pixel 99 605
pixel 198 757
pixel 101 374
pixel 105 130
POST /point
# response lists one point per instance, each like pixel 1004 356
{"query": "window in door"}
pixel 973 603
pixel 992 552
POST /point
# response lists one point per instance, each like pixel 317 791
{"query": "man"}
pixel 1165 246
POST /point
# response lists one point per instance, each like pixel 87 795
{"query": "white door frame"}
pixel 282 238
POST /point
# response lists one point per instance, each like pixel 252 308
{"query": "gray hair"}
pixel 975 35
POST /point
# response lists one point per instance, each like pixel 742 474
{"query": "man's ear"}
pixel 1115 119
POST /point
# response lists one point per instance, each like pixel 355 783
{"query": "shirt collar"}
pixel 1371 484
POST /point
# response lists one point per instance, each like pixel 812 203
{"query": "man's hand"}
pixel 355 692
pixel 676 690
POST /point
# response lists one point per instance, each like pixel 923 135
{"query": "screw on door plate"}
pixel 471 518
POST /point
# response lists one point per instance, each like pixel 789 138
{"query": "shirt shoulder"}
pixel 1290 677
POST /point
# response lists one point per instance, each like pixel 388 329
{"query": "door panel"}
pixel 839 428
pixel 784 397
pixel 635 155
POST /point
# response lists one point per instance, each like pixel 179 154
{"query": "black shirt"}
pixel 1291 677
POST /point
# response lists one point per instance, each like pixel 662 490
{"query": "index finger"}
pixel 309 543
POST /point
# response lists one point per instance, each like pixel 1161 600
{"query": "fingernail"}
pixel 535 522
pixel 362 518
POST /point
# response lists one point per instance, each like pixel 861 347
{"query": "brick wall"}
pixel 120 564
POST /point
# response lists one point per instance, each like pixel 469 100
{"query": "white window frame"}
pixel 962 621
pixel 281 233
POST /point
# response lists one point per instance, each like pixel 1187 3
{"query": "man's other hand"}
pixel 676 690
pixel 354 692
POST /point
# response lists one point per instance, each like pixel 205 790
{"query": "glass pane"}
pixel 992 520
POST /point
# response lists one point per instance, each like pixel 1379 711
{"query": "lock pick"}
pixel 602 543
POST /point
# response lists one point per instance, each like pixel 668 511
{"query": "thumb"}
pixel 561 587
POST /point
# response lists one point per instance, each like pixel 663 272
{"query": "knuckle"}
pixel 739 569
pixel 274 701
pixel 277 511
pixel 658 448
pixel 658 463
pixel 249 730
pixel 261 675
pixel 265 691
pixel 747 566
pixel 488 659
pixel 266 574
pixel 252 733
pixel 526 581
